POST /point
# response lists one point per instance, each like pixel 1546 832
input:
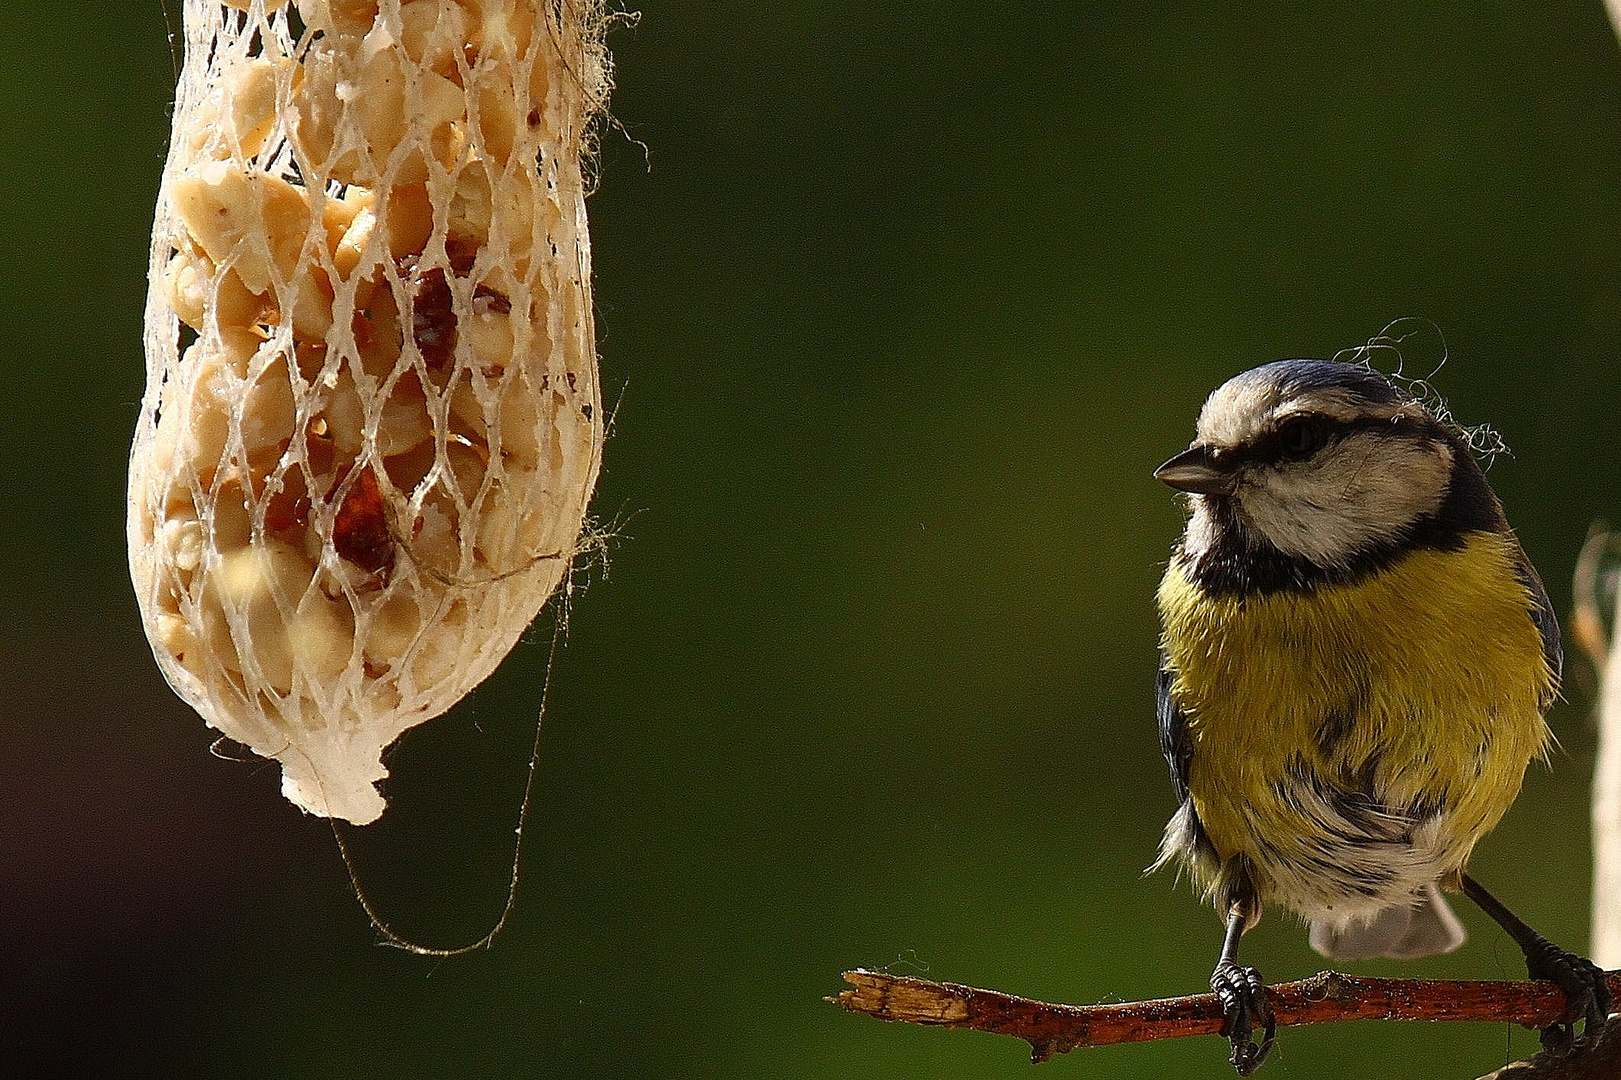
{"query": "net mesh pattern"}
pixel 371 423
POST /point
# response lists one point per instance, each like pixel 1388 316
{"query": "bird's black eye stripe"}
pixel 1297 438
pixel 1305 434
pixel 1302 436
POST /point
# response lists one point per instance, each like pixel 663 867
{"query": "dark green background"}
pixel 899 310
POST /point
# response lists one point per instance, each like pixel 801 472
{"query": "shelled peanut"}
pixel 371 424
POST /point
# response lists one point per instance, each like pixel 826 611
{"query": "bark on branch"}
pixel 1324 998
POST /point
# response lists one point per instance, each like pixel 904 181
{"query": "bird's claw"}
pixel 1243 999
pixel 1586 995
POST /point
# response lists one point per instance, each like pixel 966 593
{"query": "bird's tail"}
pixel 1423 928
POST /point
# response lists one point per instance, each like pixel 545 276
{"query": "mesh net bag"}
pixel 371 423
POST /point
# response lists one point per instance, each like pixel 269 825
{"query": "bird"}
pixel 1356 659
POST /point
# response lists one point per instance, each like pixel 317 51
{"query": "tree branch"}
pixel 1324 998
pixel 1595 1057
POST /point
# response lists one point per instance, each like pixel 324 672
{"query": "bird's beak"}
pixel 1196 469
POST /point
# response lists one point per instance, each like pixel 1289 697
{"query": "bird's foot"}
pixel 1586 995
pixel 1243 1000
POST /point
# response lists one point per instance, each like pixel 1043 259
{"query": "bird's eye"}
pixel 1303 436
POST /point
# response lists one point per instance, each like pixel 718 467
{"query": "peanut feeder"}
pixel 371 423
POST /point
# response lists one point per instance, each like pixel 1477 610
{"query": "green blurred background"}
pixel 900 307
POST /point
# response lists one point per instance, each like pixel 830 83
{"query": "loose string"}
pixel 395 938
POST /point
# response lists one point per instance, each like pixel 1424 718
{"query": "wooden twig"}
pixel 1324 998
pixel 1595 1057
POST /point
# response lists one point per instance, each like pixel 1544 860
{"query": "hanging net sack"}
pixel 371 424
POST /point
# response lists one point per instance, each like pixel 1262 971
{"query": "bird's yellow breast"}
pixel 1420 685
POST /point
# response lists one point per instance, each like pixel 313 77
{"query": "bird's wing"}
pixel 1174 740
pixel 1546 621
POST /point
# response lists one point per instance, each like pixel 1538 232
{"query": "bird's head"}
pixel 1325 460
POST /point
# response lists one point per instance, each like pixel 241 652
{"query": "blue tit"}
pixel 1355 662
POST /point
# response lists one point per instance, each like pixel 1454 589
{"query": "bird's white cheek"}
pixel 1306 521
pixel 1201 529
